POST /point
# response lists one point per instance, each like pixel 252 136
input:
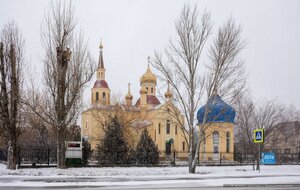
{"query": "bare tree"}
pixel 245 125
pixel 128 117
pixel 11 64
pixel 268 114
pixel 264 114
pixel 68 66
pixel 181 69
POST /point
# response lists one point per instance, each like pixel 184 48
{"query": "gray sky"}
pixel 132 29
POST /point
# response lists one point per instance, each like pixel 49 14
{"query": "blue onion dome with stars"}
pixel 217 111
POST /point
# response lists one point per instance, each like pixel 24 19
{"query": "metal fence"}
pixel 47 157
pixel 37 156
pixel 3 155
pixel 281 158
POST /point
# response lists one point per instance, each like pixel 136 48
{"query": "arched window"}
pixel 168 127
pixel 152 90
pixel 147 89
pixel 204 142
pixel 159 128
pixel 103 97
pixel 176 130
pixel 216 142
pixel 227 142
pixel 97 97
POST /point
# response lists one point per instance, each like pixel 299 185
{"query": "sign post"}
pixel 259 138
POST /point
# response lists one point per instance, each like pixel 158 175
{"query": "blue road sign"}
pixel 258 135
pixel 268 158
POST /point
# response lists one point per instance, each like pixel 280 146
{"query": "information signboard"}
pixel 268 158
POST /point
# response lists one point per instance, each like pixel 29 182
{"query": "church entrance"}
pixel 168 148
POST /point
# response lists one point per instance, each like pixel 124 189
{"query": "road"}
pixel 145 183
pixel 154 187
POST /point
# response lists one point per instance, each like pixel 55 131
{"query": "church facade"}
pixel 147 112
pixel 162 119
pixel 216 120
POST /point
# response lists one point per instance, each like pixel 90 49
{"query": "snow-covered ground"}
pixel 289 174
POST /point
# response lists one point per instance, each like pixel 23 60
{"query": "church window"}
pixel 227 142
pixel 176 130
pixel 216 142
pixel 147 89
pixel 103 97
pixel 168 127
pixel 183 146
pixel 152 90
pixel 204 142
pixel 159 128
pixel 97 97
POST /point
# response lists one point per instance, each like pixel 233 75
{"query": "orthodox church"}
pixel 162 119
pixel 148 112
pixel 217 130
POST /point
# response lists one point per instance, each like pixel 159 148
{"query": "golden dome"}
pixel 148 77
pixel 168 94
pixel 129 96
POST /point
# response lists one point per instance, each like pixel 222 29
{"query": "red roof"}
pixel 151 99
pixel 100 84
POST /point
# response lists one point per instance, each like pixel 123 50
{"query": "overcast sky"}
pixel 132 29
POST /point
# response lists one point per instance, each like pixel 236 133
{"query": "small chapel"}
pixel 147 112
pixel 216 119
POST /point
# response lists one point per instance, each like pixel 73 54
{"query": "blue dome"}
pixel 218 111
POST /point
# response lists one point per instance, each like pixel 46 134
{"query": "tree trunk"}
pixel 192 167
pixel 63 56
pixel 61 158
pixel 11 154
pixel 9 104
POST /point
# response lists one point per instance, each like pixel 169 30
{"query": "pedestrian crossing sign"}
pixel 258 136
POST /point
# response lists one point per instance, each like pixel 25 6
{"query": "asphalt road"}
pixel 154 187
pixel 86 183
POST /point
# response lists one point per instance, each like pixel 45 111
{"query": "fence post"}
pixel 19 157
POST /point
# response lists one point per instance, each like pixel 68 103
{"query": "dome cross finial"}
pixel 129 87
pixel 101 44
pixel 148 60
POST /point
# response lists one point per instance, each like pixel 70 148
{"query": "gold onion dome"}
pixel 148 76
pixel 168 94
